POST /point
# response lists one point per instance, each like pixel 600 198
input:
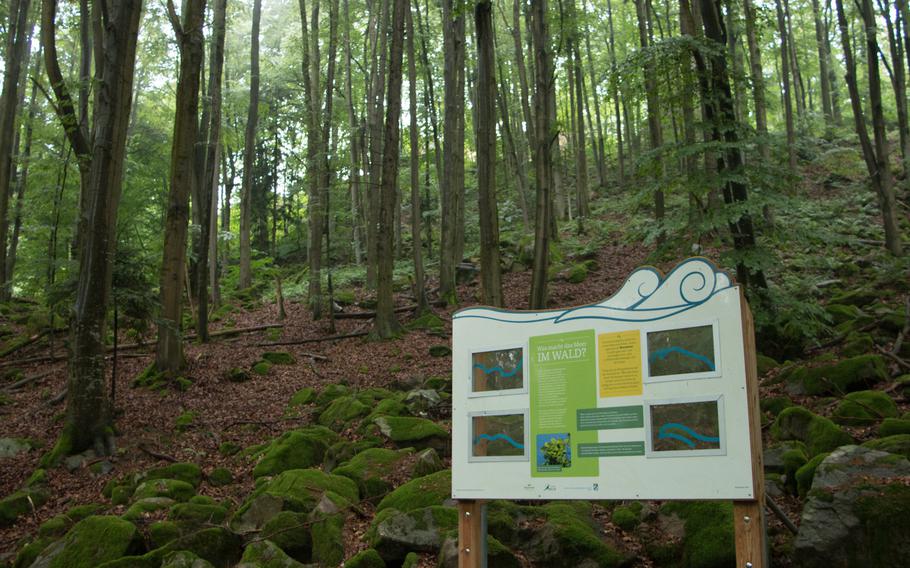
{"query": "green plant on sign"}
pixel 556 452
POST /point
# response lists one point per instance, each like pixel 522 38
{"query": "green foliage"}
pixel 556 452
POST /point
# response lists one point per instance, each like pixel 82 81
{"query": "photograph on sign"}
pixel 493 372
pixel 499 436
pixel 685 427
pixel 683 353
pixel 554 451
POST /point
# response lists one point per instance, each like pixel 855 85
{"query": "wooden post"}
pixel 748 516
pixel 472 534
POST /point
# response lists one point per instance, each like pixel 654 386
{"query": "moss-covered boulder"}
pixel 408 431
pixel 163 532
pixel 627 517
pixel 774 405
pixel 369 469
pixel 426 462
pixel 855 373
pixel 326 532
pixel 216 545
pixel 297 449
pixel 855 514
pixel 894 427
pixel 341 411
pixel 857 343
pixel 331 392
pixel 297 490
pixel 433 489
pixel 368 558
pixel 857 297
pixel 290 531
pixel 302 397
pixel 817 432
pixel 440 351
pixel 279 358
pixel 266 554
pixel 863 408
pixel 805 474
pixel 92 542
pixel 898 444
pixel 187 472
pixel 261 367
pixel 395 533
pixel 146 506
pixel 198 513
pixel 344 450
pixel 569 539
pixel 707 540
pixel 19 503
pixel 428 321
pixel 385 407
pixel 765 364
pixel 220 476
pixel 184 559
pixel 170 488
pixel 59 524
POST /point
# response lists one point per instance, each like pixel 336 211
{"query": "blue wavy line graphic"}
pixel 665 352
pixel 498 437
pixel 662 433
pixel 498 369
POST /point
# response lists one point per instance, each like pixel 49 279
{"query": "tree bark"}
pixel 823 73
pixel 182 178
pixel 620 152
pixel 543 93
pixel 88 417
pixel 452 182
pixel 386 323
pixel 490 276
pixel 249 154
pixel 758 81
pixel 16 45
pixel 420 290
pixel 354 143
pixel 654 128
pixel 785 79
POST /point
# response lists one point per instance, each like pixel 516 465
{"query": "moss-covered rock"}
pixel 426 462
pixel 19 503
pixel 429 321
pixel 297 490
pixel 806 474
pixel 185 421
pixel 369 468
pixel 220 476
pixel 898 444
pixel 144 507
pixel 863 408
pixel 297 449
pixel 290 531
pixel 440 351
pixel 58 525
pixel 569 539
pixel 395 533
pixel 184 559
pixel 894 427
pixel 577 273
pixel 857 343
pixel 433 489
pixel 229 448
pixel 627 517
pixel 266 554
pixel 92 542
pixel 163 532
pixel 775 404
pixel 198 513
pixel 30 551
pixel 848 375
pixel 368 558
pixel 328 544
pixel 302 397
pixel 857 297
pixel 765 364
pixel 217 545
pixel 408 431
pixel 186 472
pixel 261 367
pixel 279 358
pixel 331 392
pixel 170 488
pixel 708 539
pixel 237 375
pixel 344 450
pixel 817 432
pixel 342 411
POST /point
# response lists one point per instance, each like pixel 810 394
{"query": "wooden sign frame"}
pixel 749 521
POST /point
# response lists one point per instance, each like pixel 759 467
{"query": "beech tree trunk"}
pixel 490 276
pixel 758 80
pixel 88 413
pixel 249 154
pixel 654 129
pixel 452 183
pixel 785 80
pixel 420 291
pixel 543 94
pixel 386 323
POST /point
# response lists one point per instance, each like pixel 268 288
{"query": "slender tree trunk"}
pixel 654 127
pixel 823 72
pixel 581 155
pixel 600 149
pixel 452 182
pixel 386 324
pixel 617 114
pixel 208 184
pixel 490 277
pixel 374 120
pixel 758 80
pixel 898 81
pixel 182 177
pixel 16 45
pixel 522 73
pixel 420 290
pixel 515 151
pixel 785 79
pixel 88 414
pixel 875 154
pixel 543 92
pixel 354 143
pixel 249 154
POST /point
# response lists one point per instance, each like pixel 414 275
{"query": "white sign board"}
pixel 641 396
